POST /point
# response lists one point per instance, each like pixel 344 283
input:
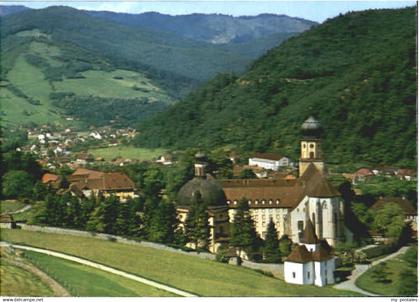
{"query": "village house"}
pixel 96 183
pixel 407 174
pixel 269 161
pixel 165 159
pixel 258 171
pixel 51 180
pixel 362 175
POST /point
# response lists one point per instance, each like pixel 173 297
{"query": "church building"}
pixel 290 203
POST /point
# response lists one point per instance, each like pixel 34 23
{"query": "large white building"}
pixel 310 262
pixel 269 161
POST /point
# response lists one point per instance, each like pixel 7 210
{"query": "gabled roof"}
pixel 107 181
pixel 315 184
pixel 300 255
pixel 309 235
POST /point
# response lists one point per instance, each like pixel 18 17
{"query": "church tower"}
pixel 310 146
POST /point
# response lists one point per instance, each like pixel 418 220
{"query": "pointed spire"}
pixel 309 235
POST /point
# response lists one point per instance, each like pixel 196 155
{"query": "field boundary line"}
pixel 104 268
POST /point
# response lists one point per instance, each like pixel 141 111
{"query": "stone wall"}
pixel 276 269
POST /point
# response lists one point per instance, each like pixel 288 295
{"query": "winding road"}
pixel 360 269
pixel 103 268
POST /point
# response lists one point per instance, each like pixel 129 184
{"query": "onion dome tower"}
pixel 210 191
pixel 211 194
pixel 310 146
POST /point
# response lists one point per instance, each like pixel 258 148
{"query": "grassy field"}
pixel 118 83
pixel 84 281
pixel 31 81
pixel 203 277
pixel 10 205
pixel 16 281
pixel 394 267
pixel 127 152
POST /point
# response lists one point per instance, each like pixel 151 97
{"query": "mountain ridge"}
pixel 332 72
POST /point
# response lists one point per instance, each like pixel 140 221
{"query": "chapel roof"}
pixel 299 254
pixel 309 235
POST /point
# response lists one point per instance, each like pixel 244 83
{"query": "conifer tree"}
pixel 285 246
pixel 271 244
pixel 123 219
pixel 197 229
pixel 243 233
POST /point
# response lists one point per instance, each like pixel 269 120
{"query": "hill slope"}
pixel 212 28
pixel 59 62
pixel 355 73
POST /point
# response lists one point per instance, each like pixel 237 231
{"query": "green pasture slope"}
pixel 84 281
pixel 26 81
pixel 15 281
pixel 394 268
pixel 202 277
pixel 130 152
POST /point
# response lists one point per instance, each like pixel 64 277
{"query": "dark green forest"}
pixel 356 73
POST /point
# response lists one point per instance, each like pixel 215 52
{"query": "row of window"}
pixel 256 202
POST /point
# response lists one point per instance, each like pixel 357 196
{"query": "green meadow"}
pixel 84 281
pixel 15 281
pixel 199 276
pixel 130 152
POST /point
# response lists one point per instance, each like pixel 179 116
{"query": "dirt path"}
pixel 103 268
pixel 58 290
pixel 360 269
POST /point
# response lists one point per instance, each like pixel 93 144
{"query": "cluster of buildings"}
pixel 307 208
pixel 364 174
pixel 87 183
pixel 297 207
pixel 54 148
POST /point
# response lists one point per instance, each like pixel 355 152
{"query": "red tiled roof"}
pixel 364 172
pixel 107 182
pixel 49 177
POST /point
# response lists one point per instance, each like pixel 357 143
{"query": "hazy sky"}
pixel 312 10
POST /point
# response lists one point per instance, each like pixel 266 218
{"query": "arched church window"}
pixel 311 146
pixel 304 146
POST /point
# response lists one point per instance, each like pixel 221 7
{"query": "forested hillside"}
pixel 356 73
pixel 59 63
